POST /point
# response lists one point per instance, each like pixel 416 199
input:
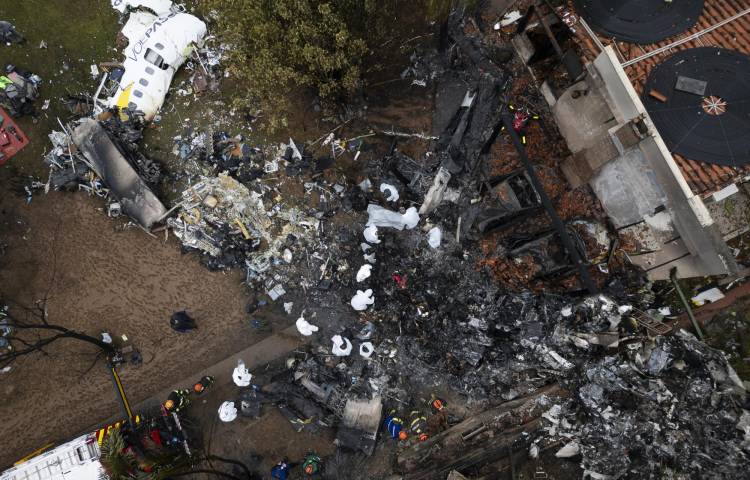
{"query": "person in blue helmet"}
pixel 281 470
pixel 395 426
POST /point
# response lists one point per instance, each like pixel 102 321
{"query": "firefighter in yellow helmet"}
pixel 203 384
pixel 418 425
pixel 177 400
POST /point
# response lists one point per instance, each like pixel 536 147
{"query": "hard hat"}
pixel 438 404
pixel 309 469
pixel 423 437
pixel 198 387
pixel 169 404
pixel 402 435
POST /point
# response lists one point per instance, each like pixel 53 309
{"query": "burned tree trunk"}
pixel 481 439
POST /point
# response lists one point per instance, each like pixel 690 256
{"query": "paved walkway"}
pixel 257 355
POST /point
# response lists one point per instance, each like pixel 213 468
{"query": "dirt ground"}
pixel 260 443
pixel 100 277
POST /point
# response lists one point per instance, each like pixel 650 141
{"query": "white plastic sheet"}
pixel 392 191
pixel 364 273
pixel 362 300
pixel 366 349
pixel 241 375
pixel 382 217
pixel 227 411
pixel 371 234
pixel 570 450
pixel 342 347
pixel 304 327
pixel 434 237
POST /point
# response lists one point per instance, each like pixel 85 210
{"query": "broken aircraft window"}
pixel 156 59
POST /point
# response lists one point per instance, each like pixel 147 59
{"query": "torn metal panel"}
pixel 360 424
pixel 137 200
pixel 158 45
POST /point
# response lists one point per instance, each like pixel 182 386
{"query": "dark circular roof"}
pixel 713 127
pixel 640 21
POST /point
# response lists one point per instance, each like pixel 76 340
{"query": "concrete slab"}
pixel 584 120
pixel 262 353
pixel 627 189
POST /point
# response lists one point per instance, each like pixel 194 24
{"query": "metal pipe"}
pixel 97 108
pixel 686 39
pixel 591 34
pixel 673 277
pixel 121 394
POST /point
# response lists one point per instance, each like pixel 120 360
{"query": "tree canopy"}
pixel 280 45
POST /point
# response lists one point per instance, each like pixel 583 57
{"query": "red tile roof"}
pixel 703 178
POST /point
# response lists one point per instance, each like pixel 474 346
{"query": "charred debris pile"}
pixel 395 258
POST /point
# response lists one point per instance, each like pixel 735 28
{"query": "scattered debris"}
pixel 9 34
pixel 18 91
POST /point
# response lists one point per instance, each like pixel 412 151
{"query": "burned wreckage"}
pixel 412 309
pixel 579 377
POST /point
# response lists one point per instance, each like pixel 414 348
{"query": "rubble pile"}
pixel 118 172
pixel 230 224
pixel 671 405
pixel 436 322
pixel 18 88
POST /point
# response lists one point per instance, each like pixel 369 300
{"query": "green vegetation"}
pixel 730 332
pixel 120 463
pixel 153 462
pixel 280 46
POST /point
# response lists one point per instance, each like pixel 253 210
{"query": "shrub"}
pixel 279 46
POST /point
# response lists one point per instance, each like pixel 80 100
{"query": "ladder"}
pixel 653 326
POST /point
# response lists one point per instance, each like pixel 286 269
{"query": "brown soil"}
pixel 99 276
pixel 270 437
